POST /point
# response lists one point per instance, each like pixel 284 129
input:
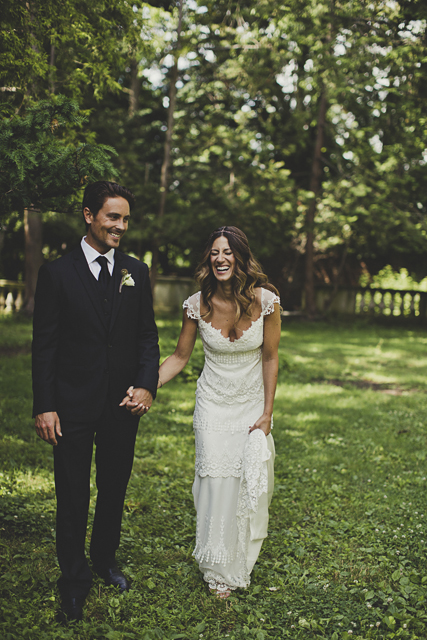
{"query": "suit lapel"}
pixel 90 284
pixel 117 277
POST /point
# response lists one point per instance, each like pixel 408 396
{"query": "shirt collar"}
pixel 92 254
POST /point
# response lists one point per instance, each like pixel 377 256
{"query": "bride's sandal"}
pixel 222 594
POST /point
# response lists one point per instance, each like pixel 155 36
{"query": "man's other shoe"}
pixel 113 576
pixel 71 610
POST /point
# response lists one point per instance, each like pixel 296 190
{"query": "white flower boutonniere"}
pixel 127 280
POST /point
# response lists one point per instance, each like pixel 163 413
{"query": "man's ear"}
pixel 87 215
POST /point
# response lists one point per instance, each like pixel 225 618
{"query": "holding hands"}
pixel 137 401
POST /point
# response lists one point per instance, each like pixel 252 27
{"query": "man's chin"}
pixel 113 242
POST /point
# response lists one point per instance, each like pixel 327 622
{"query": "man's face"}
pixel 109 224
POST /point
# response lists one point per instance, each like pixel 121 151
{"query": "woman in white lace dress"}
pixel 238 318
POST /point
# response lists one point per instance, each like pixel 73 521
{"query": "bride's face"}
pixel 223 261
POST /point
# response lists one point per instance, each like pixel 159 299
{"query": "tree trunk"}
pixel 134 88
pixel 315 187
pixel 334 291
pixel 33 256
pixel 164 175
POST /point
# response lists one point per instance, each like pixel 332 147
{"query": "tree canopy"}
pixel 301 122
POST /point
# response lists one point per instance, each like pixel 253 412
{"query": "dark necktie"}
pixel 104 274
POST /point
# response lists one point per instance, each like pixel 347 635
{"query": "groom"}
pixel 94 336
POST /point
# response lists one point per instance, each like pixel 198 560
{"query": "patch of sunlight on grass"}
pixel 28 482
pixel 380 378
pixel 294 434
pixel 417 363
pixel 307 417
pixel 165 439
pixel 302 359
pixel 186 406
pixel 303 391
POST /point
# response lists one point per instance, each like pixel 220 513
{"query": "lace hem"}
pixel 208 470
pixel 210 551
pixel 225 463
pixel 213 556
pixel 216 581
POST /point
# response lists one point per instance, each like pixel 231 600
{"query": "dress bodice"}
pixel 232 372
pixel 213 339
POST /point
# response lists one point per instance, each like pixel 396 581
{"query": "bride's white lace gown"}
pixel 233 482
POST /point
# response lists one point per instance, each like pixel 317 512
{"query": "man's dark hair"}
pixel 97 193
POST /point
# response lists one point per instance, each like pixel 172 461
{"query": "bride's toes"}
pixel 221 593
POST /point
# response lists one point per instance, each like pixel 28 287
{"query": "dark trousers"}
pixel 115 444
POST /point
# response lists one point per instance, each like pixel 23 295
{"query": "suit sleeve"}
pixel 45 342
pixel 148 339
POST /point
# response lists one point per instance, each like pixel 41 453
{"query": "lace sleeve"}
pixel 192 304
pixel 268 300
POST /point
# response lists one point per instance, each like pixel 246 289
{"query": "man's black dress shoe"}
pixel 71 610
pixel 113 576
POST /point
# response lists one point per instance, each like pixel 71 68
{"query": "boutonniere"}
pixel 127 280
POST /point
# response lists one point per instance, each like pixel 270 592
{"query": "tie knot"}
pixel 102 261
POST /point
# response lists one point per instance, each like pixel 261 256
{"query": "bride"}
pixel 237 314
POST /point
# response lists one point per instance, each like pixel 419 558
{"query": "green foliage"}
pixel 346 549
pixel 39 168
pixel 245 124
pixel 69 45
pixel 387 278
pixel 251 79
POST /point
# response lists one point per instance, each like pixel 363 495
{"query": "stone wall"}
pixel 170 293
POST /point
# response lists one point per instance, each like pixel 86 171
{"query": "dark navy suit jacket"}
pixel 82 358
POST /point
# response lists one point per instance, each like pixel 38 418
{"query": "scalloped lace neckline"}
pixel 244 331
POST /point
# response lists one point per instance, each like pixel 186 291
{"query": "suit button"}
pixel 106 301
pixel 110 346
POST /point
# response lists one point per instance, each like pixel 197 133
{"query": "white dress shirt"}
pixel 91 256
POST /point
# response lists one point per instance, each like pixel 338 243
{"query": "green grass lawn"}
pixel 347 546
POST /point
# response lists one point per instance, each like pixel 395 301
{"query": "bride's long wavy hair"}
pixel 248 273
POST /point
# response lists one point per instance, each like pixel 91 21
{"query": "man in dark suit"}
pixel 94 336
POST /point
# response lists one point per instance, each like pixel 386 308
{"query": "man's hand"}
pixel 48 426
pixel 137 401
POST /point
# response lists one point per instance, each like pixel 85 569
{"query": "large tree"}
pixel 302 122
pixel 66 47
pixel 40 171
